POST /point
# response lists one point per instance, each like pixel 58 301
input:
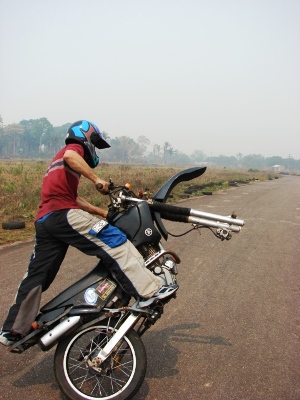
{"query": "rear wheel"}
pixel 118 378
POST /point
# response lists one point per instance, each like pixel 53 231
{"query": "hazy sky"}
pixel 221 76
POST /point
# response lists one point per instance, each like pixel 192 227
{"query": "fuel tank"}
pixel 137 223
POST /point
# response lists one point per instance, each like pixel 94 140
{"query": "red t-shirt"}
pixel 60 184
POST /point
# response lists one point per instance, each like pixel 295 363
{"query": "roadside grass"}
pixel 20 184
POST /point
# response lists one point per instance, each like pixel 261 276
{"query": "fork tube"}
pixel 216 217
pixel 214 224
pixel 108 348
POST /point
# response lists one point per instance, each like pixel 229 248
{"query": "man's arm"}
pixel 86 206
pixel 77 163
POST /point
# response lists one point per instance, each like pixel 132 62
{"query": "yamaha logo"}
pixel 148 232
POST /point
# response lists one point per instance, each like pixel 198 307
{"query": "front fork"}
pixel 168 270
pixel 102 355
pixel 140 319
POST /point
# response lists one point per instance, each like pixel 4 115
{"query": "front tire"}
pixel 119 377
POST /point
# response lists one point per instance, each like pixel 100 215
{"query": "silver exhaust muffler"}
pixel 51 337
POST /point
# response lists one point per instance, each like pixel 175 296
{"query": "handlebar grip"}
pixel 174 217
pixel 167 208
pixel 99 186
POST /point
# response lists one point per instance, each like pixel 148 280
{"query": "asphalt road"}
pixel 233 331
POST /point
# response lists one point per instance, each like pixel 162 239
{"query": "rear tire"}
pixel 119 377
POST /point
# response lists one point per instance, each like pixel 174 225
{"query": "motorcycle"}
pixel 96 326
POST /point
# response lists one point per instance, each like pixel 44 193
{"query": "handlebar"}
pixel 189 215
pixel 122 197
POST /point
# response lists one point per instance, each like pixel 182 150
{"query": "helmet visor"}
pixel 98 141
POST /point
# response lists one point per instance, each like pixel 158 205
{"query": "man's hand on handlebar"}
pixel 102 187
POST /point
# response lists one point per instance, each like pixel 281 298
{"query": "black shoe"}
pixel 162 293
pixel 8 339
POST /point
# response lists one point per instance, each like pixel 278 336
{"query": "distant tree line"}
pixel 38 138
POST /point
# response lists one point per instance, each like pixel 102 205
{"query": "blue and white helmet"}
pixel 89 136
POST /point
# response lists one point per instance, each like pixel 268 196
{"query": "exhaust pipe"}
pixel 51 338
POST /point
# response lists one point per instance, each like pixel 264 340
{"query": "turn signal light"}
pixel 34 325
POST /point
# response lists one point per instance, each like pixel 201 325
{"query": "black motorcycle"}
pixel 97 327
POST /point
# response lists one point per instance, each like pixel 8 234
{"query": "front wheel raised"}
pixel 118 378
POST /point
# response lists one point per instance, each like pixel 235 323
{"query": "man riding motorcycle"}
pixel 65 219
